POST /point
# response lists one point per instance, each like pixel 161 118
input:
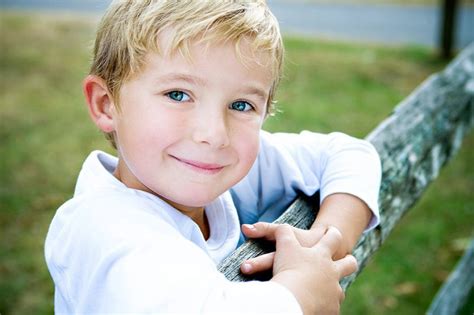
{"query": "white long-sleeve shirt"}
pixel 112 249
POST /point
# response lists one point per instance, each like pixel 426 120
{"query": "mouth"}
pixel 201 167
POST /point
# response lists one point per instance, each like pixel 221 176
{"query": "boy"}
pixel 182 88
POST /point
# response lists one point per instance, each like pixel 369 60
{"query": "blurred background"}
pixel 349 63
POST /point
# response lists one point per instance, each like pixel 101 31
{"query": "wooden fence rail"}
pixel 454 293
pixel 423 133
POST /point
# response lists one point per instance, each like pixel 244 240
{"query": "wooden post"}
pixel 448 27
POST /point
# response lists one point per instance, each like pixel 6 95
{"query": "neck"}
pixel 197 214
pixel 204 226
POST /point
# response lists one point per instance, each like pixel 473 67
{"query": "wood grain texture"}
pixel 420 136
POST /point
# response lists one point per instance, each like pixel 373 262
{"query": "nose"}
pixel 211 128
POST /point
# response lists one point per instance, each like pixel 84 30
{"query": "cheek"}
pixel 247 146
pixel 151 129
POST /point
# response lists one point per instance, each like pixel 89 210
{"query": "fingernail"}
pixel 246 267
pixel 250 226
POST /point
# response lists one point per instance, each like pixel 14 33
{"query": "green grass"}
pixel 45 134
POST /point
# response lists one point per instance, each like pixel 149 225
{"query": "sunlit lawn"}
pixel 45 134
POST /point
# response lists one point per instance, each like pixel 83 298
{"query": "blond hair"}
pixel 130 29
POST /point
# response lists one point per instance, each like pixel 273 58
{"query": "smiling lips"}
pixel 200 166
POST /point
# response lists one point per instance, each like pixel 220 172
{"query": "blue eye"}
pixel 178 96
pixel 241 106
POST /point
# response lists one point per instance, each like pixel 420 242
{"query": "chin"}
pixel 197 199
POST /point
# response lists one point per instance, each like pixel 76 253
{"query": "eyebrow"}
pixel 173 77
pixel 253 90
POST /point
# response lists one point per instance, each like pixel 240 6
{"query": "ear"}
pixel 99 102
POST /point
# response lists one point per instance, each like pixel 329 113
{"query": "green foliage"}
pixel 45 134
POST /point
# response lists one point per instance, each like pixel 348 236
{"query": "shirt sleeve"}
pixel 292 164
pixel 118 258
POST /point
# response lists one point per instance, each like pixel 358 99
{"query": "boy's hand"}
pixel 306 238
pixel 349 214
pixel 310 273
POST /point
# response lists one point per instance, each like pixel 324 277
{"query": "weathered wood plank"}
pixel 414 142
pixel 454 293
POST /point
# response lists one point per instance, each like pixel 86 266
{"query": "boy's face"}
pixel 187 131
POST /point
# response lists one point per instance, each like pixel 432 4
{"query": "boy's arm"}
pixel 348 214
pixel 347 172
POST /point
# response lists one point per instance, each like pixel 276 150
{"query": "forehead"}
pixel 169 45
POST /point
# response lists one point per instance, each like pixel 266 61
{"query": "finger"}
pixel 330 241
pixel 258 264
pixel 346 266
pixel 260 229
pixel 285 238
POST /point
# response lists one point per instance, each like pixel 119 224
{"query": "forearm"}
pixel 349 214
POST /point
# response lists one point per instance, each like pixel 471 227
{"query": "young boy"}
pixel 182 89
